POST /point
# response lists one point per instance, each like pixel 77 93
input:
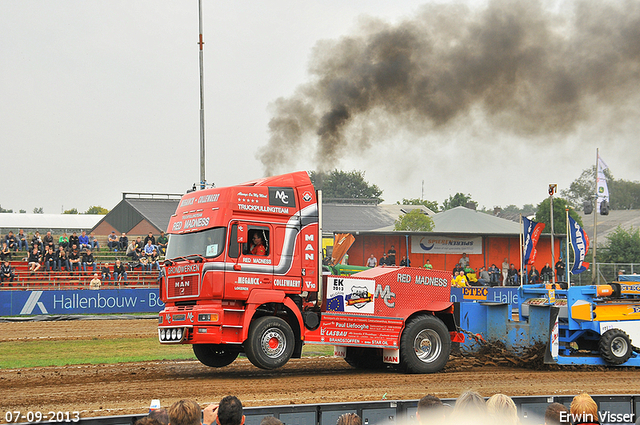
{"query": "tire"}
pixel 365 358
pixel 615 346
pixel 425 345
pixel 270 342
pixel 214 355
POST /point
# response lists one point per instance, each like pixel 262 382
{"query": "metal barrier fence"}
pixel 531 409
pixel 606 272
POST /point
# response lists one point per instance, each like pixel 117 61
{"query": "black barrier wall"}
pixel 388 412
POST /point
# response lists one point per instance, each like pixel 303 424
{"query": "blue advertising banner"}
pixel 116 301
pixel 17 303
pixel 498 294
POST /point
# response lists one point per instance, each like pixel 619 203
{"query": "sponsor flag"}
pixel 532 231
pixel 601 183
pixel 580 244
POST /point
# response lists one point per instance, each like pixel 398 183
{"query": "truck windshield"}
pixel 208 243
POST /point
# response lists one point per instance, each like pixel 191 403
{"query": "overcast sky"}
pixel 102 97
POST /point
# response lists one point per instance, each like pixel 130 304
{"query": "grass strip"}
pixel 23 354
pixel 20 354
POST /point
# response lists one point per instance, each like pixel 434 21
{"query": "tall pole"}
pixel 567 257
pixel 594 268
pixel 203 180
pixel 552 190
pixel 521 249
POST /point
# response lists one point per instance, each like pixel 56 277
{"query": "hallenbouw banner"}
pixel 445 245
pixel 26 303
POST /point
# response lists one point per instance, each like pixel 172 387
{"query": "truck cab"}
pixel 236 254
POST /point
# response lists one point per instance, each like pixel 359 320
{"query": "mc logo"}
pixel 284 198
pixel 387 296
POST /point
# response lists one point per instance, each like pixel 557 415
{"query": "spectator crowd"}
pixel 469 408
pixel 463 274
pixel 75 254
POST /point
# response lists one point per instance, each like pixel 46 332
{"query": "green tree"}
pixel 71 211
pixel 345 186
pixel 23 211
pixel 543 215
pixel 97 209
pixel 414 221
pixel 527 209
pixel 2 210
pixel 623 246
pixel 457 200
pixel 581 189
pixel 623 194
pixel 432 205
pixel 38 210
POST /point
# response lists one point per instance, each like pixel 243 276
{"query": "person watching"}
pixel 430 410
pixel 34 260
pixel 184 412
pixel 112 241
pixel 6 273
pixel 228 412
pixel 119 272
pixel 162 243
pixel 123 242
pixel 88 261
pixel 84 241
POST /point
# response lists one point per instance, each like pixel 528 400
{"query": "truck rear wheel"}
pixel 214 355
pixel 270 342
pixel 615 346
pixel 425 345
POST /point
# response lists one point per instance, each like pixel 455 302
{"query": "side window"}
pixel 233 242
pixel 259 241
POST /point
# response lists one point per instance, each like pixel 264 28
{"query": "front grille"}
pixel 182 286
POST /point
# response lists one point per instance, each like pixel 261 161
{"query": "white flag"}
pixel 601 183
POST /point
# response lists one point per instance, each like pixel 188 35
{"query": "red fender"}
pixel 264 296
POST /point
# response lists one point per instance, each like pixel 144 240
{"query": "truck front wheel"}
pixel 214 355
pixel 615 346
pixel 425 345
pixel 270 342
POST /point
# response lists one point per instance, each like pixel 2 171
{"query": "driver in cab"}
pixel 257 245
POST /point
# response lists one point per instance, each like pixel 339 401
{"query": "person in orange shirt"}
pixel 257 247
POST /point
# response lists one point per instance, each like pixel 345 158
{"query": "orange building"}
pixel 485 239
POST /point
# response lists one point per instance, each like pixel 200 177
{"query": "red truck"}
pixel 243 274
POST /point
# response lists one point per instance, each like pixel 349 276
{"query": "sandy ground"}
pixel 128 388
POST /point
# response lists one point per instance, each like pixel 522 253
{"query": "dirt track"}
pixel 128 388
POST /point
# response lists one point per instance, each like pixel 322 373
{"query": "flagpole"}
pixel 567 257
pixel 553 255
pixel 521 247
pixel 594 271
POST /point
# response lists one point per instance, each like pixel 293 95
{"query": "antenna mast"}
pixel 203 180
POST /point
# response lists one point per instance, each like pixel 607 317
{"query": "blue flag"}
pixel 580 244
pixel 532 231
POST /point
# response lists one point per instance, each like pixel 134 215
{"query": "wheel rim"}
pixel 427 345
pixel 619 346
pixel 273 343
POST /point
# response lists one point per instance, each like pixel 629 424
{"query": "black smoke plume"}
pixel 525 68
